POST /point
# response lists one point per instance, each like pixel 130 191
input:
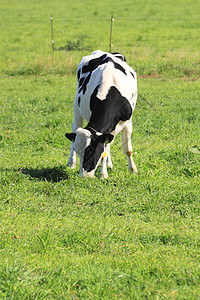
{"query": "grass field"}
pixel 127 237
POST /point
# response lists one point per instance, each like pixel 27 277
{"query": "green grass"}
pixel 127 237
pixel 156 37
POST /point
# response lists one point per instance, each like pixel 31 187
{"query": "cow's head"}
pixel 90 148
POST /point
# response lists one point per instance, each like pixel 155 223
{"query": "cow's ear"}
pixel 70 136
pixel 106 138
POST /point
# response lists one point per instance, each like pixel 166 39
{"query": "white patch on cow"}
pixel 107 80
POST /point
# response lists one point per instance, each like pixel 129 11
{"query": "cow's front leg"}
pixel 109 161
pixel 127 147
pixel 78 122
pixel 106 161
pixel 104 172
pixel 72 158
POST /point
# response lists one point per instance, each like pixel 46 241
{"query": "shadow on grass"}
pixel 54 174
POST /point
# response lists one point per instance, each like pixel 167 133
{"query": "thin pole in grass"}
pixel 52 40
pixel 111 23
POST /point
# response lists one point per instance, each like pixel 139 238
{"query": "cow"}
pixel 106 97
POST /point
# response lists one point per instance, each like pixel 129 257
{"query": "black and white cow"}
pixel 106 97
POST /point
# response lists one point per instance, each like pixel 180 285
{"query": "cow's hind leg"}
pixel 127 147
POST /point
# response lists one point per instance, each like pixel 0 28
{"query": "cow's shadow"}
pixel 55 174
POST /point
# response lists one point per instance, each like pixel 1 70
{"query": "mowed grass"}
pixel 127 237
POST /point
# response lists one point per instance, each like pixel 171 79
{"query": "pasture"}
pixel 127 237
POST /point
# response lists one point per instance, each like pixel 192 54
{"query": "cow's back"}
pixel 103 70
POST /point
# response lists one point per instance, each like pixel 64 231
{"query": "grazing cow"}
pixel 106 97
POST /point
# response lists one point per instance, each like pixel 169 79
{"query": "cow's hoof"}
pixel 87 174
pixel 71 165
pixel 110 166
pixel 104 175
pixel 133 170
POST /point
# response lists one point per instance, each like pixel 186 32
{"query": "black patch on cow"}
pixel 107 113
pixel 119 55
pixel 93 64
pixel 81 82
pixel 92 154
pixel 78 74
pixel 119 67
pixel 96 62
pixel 84 84
pixel 132 75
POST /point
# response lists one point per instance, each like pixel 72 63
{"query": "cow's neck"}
pixel 92 130
pixel 104 124
pixel 107 113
